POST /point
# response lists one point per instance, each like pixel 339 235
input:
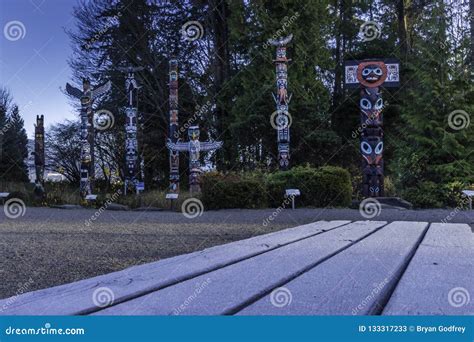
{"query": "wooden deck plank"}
pixel 77 297
pixel 439 279
pixel 225 290
pixel 357 281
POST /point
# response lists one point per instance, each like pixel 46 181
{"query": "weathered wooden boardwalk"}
pixel 322 268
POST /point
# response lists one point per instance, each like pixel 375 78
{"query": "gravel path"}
pixel 48 247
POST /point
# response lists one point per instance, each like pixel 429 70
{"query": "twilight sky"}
pixel 33 60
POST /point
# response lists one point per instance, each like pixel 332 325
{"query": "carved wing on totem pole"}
pixel 210 145
pixel 101 90
pixel 73 91
pixel 178 146
pixel 281 41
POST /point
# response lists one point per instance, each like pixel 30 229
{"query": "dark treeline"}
pixel 226 76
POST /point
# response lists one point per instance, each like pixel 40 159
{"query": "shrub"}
pixel 426 195
pixel 321 187
pixel 232 190
pixel 433 195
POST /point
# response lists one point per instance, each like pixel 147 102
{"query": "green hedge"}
pixel 321 187
pixel 232 191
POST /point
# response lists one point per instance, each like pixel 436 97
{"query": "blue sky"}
pixel 33 60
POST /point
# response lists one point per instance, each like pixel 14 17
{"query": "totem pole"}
pixel 131 142
pixel 282 100
pixel 173 128
pixel 194 147
pixel 39 157
pixel 87 97
pixel 369 76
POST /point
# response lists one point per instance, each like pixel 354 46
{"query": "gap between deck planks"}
pixel 237 285
pixel 77 298
pixel 357 281
pixel 439 279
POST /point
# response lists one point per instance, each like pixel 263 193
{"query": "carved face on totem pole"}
pixel 193 133
pixel 283 150
pixel 371 74
pixel 371 105
pixel 371 148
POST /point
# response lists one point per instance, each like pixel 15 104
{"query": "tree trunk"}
pixel 471 15
pixel 402 32
pixel 221 71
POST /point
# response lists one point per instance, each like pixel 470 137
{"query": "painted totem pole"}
pixel 131 141
pixel 173 129
pixel 281 117
pixel 194 147
pixel 39 157
pixel 369 76
pixel 87 97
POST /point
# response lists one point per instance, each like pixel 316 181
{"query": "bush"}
pixel 433 195
pixel 426 195
pixel 232 190
pixel 320 187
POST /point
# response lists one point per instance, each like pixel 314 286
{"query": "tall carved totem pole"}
pixel 173 128
pixel 131 141
pixel 87 97
pixel 39 156
pixel 281 118
pixel 369 76
pixel 194 147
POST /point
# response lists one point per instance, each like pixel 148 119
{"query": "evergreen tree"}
pixel 15 148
